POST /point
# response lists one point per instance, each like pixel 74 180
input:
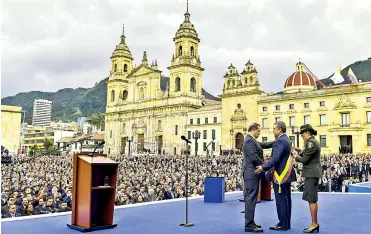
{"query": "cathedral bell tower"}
pixel 185 69
pixel 121 66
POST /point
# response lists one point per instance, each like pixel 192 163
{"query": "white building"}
pixel 42 112
pixel 207 122
pixel 84 143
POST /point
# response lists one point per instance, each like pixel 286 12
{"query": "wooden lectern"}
pixel 93 202
pixel 265 191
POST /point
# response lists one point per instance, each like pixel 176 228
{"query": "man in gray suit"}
pixel 253 157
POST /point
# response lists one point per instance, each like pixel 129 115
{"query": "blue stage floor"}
pixel 338 213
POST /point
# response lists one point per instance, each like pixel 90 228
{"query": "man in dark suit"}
pixel 253 157
pixel 281 156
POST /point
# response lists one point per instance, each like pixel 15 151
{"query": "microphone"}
pixel 186 140
pixel 98 145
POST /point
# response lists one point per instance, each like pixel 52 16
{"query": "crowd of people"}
pixel 43 185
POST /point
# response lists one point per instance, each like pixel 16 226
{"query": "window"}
pixel 115 67
pixel 292 140
pixel 177 84
pixel 109 150
pixel 176 130
pixel 189 135
pixel 213 134
pixel 112 95
pixel 125 68
pixel 198 121
pixel 191 121
pixel 345 119
pixel 278 107
pixel 306 105
pixel 368 139
pixel 110 134
pixel 141 93
pixel 192 51
pixel 204 146
pixel 322 103
pixel 193 84
pixel 265 139
pixel 368 113
pixel 291 106
pixel 180 51
pixel 278 119
pixel 206 120
pixel 306 119
pixel 264 123
pixel 292 121
pixel 322 140
pixel 264 108
pixel 368 99
pixel 124 95
pixel 322 120
pixel 213 146
pixel 215 119
pixel 205 134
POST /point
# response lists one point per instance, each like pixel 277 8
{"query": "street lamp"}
pixel 196 135
pixel 129 140
pixel 296 131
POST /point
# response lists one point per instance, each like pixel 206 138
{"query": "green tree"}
pixel 97 120
pixel 48 144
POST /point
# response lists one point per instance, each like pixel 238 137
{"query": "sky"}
pixel 50 45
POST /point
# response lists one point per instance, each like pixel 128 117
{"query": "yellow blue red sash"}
pixel 285 174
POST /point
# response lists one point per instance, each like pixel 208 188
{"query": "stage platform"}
pixel 364 187
pixel 338 213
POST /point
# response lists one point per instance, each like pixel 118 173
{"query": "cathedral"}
pixel 147 111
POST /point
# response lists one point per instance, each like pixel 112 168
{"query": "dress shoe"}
pixel 277 228
pixel 241 200
pixel 257 225
pixel 312 230
pixel 253 229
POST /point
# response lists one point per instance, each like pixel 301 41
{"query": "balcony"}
pixel 345 127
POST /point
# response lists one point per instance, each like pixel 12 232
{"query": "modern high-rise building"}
pixel 42 112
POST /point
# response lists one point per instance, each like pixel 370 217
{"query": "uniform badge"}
pixel 310 144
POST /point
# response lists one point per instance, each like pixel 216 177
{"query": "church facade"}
pixel 149 111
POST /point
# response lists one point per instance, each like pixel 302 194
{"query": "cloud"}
pixel 49 45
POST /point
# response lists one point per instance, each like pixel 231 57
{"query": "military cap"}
pixel 307 128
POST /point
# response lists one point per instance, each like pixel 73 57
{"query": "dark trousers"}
pixel 283 204
pixel 251 190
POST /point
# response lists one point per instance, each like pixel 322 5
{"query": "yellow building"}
pixel 150 111
pixel 151 108
pixel 11 117
pixel 340 113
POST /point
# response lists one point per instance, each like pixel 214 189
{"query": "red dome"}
pixel 300 78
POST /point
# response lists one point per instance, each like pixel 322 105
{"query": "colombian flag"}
pixel 352 78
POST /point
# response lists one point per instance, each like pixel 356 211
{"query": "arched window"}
pixel 246 80
pixel 112 95
pixel 159 125
pixel 251 80
pixel 192 51
pixel 180 51
pixel 125 67
pixel 123 127
pixel 141 93
pixel 228 84
pixel 177 84
pixel 124 95
pixel 115 68
pixel 193 84
pixel 233 83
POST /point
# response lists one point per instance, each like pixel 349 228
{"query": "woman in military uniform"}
pixel 312 171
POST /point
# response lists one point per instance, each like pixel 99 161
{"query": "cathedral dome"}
pixel 187 29
pixel 300 80
pixel 122 50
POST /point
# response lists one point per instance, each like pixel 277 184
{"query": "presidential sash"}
pixel 284 176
